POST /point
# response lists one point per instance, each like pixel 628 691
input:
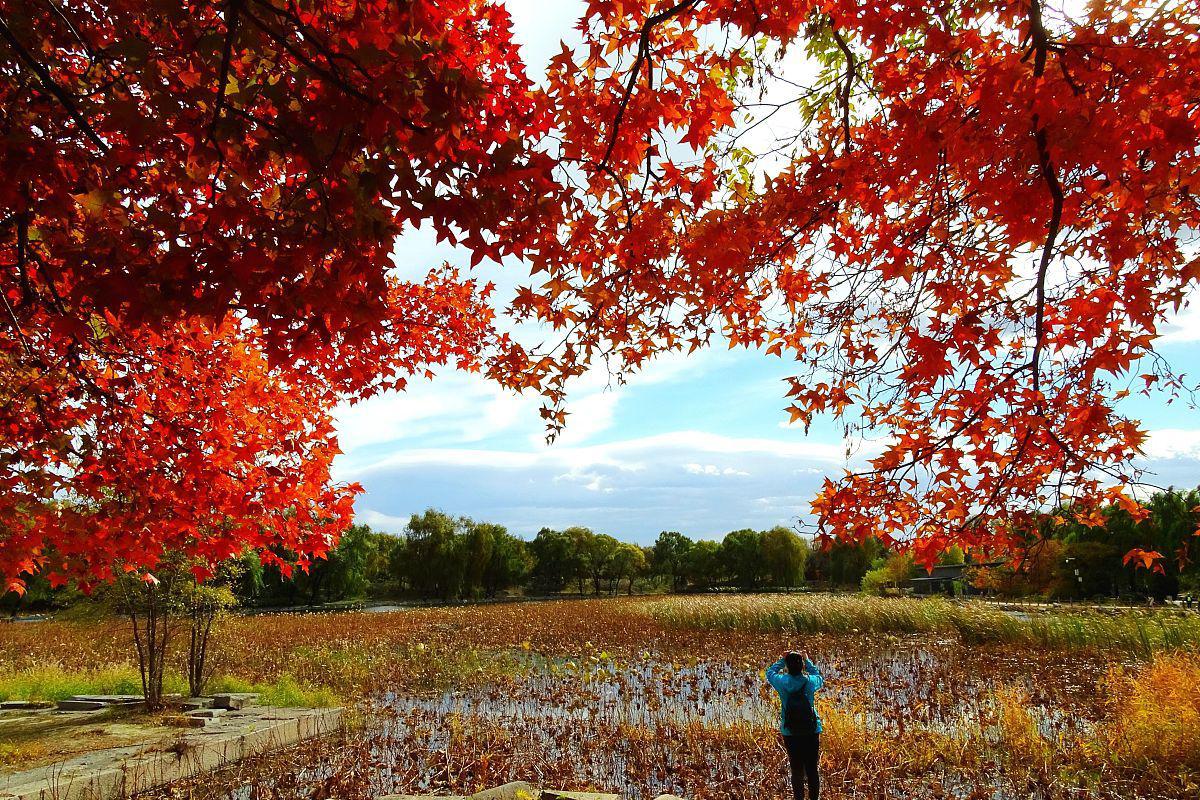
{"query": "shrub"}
pixel 1154 714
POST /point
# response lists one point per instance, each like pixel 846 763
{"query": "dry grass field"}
pixel 925 699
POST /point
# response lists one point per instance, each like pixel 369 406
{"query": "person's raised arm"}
pixel 814 674
pixel 775 674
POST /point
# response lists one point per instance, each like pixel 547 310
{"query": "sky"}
pixel 697 444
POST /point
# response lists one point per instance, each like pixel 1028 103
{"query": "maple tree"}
pixel 966 228
pixel 161 454
pixel 965 222
pixel 198 216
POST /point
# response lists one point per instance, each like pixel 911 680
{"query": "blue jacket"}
pixel 785 684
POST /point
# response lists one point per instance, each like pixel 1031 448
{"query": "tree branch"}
pixel 643 54
pixel 1049 172
pixel 851 72
pixel 232 18
pixel 48 82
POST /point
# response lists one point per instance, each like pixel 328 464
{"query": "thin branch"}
pixel 851 73
pixel 643 53
pixel 232 18
pixel 48 82
pixel 1041 45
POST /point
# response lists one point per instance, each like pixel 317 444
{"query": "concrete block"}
pixel 206 713
pixel 193 703
pixel 553 794
pixel 80 705
pixel 517 790
pixel 22 705
pixel 111 699
pixel 668 797
pixel 234 700
pixel 185 721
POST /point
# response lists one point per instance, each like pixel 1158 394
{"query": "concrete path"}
pixel 123 771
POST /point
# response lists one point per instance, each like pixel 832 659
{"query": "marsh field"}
pixel 924 698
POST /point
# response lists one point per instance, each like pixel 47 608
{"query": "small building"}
pixel 944 576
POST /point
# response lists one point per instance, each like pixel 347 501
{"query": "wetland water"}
pixel 926 700
pixel 603 714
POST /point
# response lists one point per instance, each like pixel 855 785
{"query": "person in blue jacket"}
pixel 797 680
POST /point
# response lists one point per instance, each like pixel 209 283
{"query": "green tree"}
pixel 342 573
pixel 478 543
pixel 509 564
pixel 1089 569
pixel 669 558
pixel 627 562
pixel 434 556
pixel 380 576
pixel 554 560
pixel 954 556
pixel 889 572
pixel 206 606
pixel 598 553
pixel 704 565
pixel 843 564
pixel 785 555
pixel 741 552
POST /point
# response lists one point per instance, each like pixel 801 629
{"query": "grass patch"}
pixel 285 690
pixel 1154 714
pixel 1143 633
pixel 53 682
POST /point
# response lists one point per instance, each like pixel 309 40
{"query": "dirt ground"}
pixel 33 738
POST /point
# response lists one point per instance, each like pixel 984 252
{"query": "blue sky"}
pixel 696 444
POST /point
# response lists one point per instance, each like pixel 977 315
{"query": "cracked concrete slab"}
pixel 123 771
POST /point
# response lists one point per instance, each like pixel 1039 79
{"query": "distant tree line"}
pixel 442 557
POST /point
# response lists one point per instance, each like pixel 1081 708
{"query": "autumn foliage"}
pixel 965 222
pixel 198 213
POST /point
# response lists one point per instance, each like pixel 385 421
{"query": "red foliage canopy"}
pixel 965 221
pixel 198 214
pixel 966 230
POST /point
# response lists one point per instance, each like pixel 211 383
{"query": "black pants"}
pixel 804 751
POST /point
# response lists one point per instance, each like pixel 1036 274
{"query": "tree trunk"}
pixel 151 634
pixel 197 665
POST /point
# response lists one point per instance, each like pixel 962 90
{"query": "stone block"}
pixel 206 713
pixel 192 703
pixel 185 721
pixel 668 797
pixel 80 705
pixel 111 699
pixel 552 794
pixel 234 700
pixel 22 705
pixel 517 790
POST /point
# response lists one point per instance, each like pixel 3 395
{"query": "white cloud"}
pixel 711 469
pixel 629 455
pixel 1168 443
pixel 457 406
pixel 382 522
pixel 1182 328
pixel 587 416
